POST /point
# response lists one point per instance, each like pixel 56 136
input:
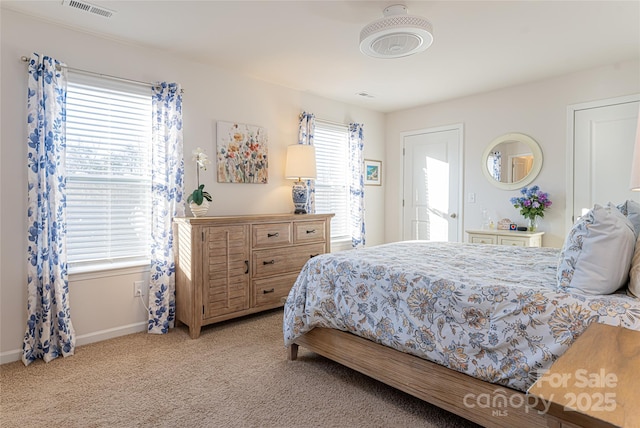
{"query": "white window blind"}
pixel 108 165
pixel 332 191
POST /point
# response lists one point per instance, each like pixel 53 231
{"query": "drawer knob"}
pixel 311 231
pixel 271 235
pixel 270 262
pixel 268 291
pixel 314 255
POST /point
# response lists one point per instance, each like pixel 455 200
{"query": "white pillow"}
pixel 597 252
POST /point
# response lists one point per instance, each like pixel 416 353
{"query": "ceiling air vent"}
pixel 88 7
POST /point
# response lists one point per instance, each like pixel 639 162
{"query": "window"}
pixel 108 165
pixel 332 188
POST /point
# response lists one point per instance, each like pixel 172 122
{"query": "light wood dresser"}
pixel 232 266
pixel 506 237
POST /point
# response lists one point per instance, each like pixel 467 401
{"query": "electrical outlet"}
pixel 137 288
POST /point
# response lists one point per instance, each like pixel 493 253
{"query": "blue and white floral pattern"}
pixel 49 332
pixel 307 127
pixel 356 185
pixel 167 203
pixel 494 165
pixel 490 311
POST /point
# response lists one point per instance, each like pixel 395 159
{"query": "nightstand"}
pixel 595 383
pixel 506 237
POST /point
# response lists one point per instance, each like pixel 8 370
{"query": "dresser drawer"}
pixel 308 231
pixel 474 239
pixel 533 241
pixel 282 260
pixel 517 242
pixel 271 234
pixel 272 291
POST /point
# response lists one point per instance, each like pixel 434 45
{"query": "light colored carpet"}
pixel 235 375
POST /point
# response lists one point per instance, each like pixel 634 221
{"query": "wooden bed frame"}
pixel 448 389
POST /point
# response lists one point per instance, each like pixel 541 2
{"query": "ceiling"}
pixel 312 46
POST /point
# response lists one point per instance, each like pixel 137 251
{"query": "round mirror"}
pixel 512 161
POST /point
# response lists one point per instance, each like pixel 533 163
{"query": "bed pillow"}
pixel 631 210
pixel 634 272
pixel 597 252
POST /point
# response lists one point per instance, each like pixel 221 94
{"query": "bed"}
pixel 466 327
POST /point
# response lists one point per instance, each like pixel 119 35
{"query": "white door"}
pixel 520 167
pixel 603 148
pixel 431 197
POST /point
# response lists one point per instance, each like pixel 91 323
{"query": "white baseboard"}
pixel 10 356
pixel 85 339
pixel 110 333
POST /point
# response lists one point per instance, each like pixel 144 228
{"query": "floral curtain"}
pixel 356 184
pixel 49 332
pixel 494 165
pixel 167 202
pixel 305 136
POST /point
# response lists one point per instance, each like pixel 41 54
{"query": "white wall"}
pixel 103 306
pixel 538 109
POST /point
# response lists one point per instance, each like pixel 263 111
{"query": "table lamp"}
pixel 301 165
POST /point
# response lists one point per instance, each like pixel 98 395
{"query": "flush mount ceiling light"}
pixel 396 35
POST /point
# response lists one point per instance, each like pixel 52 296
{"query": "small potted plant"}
pixel 199 199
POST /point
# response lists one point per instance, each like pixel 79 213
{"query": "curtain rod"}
pixel 106 76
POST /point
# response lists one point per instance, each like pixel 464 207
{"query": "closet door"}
pixel 604 136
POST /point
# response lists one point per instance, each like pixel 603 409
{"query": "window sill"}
pixel 340 244
pixel 108 269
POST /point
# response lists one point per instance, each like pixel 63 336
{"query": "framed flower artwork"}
pixel 241 151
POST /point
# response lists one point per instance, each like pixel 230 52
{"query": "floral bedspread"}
pixel 489 311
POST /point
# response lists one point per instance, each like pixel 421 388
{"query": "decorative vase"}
pixel 199 210
pixel 533 224
pixel 300 194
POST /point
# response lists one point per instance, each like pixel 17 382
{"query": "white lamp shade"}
pixel 301 162
pixel 635 163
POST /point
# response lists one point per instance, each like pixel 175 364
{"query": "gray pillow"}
pixel 597 252
pixel 631 210
pixel 634 272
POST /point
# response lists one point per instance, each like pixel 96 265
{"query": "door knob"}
pixel 453 215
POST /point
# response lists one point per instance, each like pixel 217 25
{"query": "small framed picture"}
pixel 372 172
